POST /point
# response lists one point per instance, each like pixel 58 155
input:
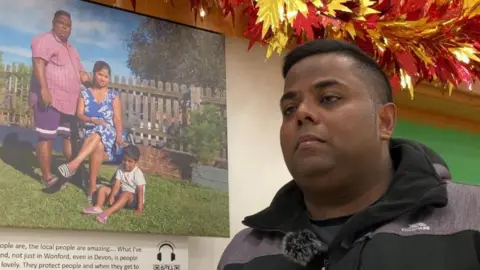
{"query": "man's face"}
pixel 62 27
pixel 330 122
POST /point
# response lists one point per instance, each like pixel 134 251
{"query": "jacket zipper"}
pixel 325 264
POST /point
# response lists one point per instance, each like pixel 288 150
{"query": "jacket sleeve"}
pixel 236 252
pixel 476 242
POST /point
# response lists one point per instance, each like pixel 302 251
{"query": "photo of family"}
pixel 111 121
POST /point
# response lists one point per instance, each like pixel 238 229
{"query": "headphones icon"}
pixel 172 253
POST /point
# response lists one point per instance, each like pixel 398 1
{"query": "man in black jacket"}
pixel 359 199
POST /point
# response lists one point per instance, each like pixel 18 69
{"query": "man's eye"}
pixel 329 99
pixel 288 110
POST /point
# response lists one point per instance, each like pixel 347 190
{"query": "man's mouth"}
pixel 308 140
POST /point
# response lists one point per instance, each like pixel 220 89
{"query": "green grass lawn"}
pixel 172 207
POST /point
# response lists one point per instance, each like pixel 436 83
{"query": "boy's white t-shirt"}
pixel 129 181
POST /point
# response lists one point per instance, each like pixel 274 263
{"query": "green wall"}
pixel 461 150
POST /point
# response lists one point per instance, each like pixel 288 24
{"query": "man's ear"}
pixel 387 116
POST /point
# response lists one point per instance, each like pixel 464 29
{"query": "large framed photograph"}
pixel 111 121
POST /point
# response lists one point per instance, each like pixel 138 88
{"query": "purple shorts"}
pixel 49 122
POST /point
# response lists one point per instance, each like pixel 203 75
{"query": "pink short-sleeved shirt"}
pixel 62 72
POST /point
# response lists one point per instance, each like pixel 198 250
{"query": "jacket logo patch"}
pixel 416 227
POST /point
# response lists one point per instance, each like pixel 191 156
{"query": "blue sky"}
pixel 97 32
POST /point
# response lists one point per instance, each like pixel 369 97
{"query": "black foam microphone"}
pixel 303 246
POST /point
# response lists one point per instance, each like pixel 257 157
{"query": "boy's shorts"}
pixel 133 204
pixel 49 122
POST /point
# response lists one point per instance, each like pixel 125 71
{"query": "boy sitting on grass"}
pixel 127 191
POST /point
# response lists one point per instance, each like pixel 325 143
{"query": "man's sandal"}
pixel 50 182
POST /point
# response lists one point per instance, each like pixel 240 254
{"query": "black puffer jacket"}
pixel 422 223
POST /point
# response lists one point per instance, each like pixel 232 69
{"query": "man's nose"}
pixel 307 113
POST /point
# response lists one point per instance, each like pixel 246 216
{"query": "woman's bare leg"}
pixel 89 145
pixel 96 159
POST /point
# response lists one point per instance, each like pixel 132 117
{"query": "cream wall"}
pixel 256 168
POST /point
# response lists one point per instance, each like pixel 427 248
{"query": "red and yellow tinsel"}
pixel 437 41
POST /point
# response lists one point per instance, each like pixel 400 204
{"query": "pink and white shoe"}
pixel 92 210
pixel 102 218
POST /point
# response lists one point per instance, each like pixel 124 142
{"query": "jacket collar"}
pixel 415 185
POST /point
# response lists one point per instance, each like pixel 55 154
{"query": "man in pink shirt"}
pixel 55 87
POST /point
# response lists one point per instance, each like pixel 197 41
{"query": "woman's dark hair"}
pixel 99 65
pixel 131 151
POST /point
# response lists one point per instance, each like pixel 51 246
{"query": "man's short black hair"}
pixel 60 12
pixel 380 82
pixel 131 151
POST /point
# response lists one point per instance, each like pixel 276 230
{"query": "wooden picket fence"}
pixel 14 87
pixel 148 105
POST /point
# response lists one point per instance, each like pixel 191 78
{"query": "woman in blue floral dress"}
pixel 99 108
